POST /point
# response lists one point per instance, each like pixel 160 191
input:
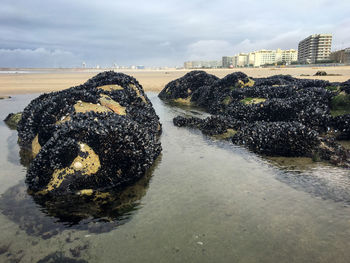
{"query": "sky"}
pixel 62 33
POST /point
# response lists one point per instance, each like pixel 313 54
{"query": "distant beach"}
pixel 25 81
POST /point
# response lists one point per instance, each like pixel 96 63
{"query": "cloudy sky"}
pixel 62 33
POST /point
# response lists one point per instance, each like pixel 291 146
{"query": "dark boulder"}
pixel 278 138
pixel 320 73
pixel 214 125
pixel 86 155
pixel 345 86
pixel 12 120
pixel 182 89
pixel 341 126
pixel 100 135
pixel 278 115
pixel 220 94
pixel 333 152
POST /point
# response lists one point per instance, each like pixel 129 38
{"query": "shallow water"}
pixel 204 201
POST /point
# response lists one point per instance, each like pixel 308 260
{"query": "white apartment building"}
pixel 289 56
pixel 240 60
pixel 263 57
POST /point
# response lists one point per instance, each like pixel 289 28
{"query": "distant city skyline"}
pixel 66 33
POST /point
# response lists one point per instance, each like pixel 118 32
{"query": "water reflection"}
pixel 320 179
pixel 316 178
pixel 46 216
pixel 208 201
pixel 39 216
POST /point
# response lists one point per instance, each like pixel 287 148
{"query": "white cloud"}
pixel 341 37
pixel 209 49
pixel 215 49
pixel 130 32
pixel 286 40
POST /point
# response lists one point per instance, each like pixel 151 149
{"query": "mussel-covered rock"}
pixel 181 90
pixel 341 126
pixel 333 152
pixel 278 115
pixel 278 138
pixel 321 73
pixel 100 135
pixel 345 86
pixel 340 104
pixel 12 120
pixel 214 125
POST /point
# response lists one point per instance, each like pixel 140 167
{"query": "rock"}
pixel 59 257
pixel 278 138
pixel 278 115
pixel 12 120
pixel 181 90
pixel 341 126
pixel 211 126
pixel 333 152
pixel 340 104
pixel 345 86
pixel 101 135
pixel 321 73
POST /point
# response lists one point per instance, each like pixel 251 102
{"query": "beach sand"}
pixel 39 81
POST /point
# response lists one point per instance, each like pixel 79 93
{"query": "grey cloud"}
pixel 40 56
pixel 161 32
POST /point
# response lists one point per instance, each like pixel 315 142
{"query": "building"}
pixel 265 57
pixel 227 62
pixel 188 64
pixel 202 64
pixel 240 60
pixel 315 48
pixel 341 56
pixel 289 56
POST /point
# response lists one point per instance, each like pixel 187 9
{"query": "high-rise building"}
pixel 227 62
pixel 188 64
pixel 240 60
pixel 315 48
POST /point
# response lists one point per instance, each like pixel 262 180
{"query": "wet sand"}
pixel 46 80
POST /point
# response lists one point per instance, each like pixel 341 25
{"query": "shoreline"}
pixel 28 81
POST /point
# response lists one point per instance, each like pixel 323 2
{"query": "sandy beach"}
pixel 44 80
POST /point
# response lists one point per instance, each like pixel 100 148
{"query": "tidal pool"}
pixel 204 200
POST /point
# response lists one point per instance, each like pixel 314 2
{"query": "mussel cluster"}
pixel 278 138
pixel 187 86
pixel 90 138
pixel 277 116
pixel 345 86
